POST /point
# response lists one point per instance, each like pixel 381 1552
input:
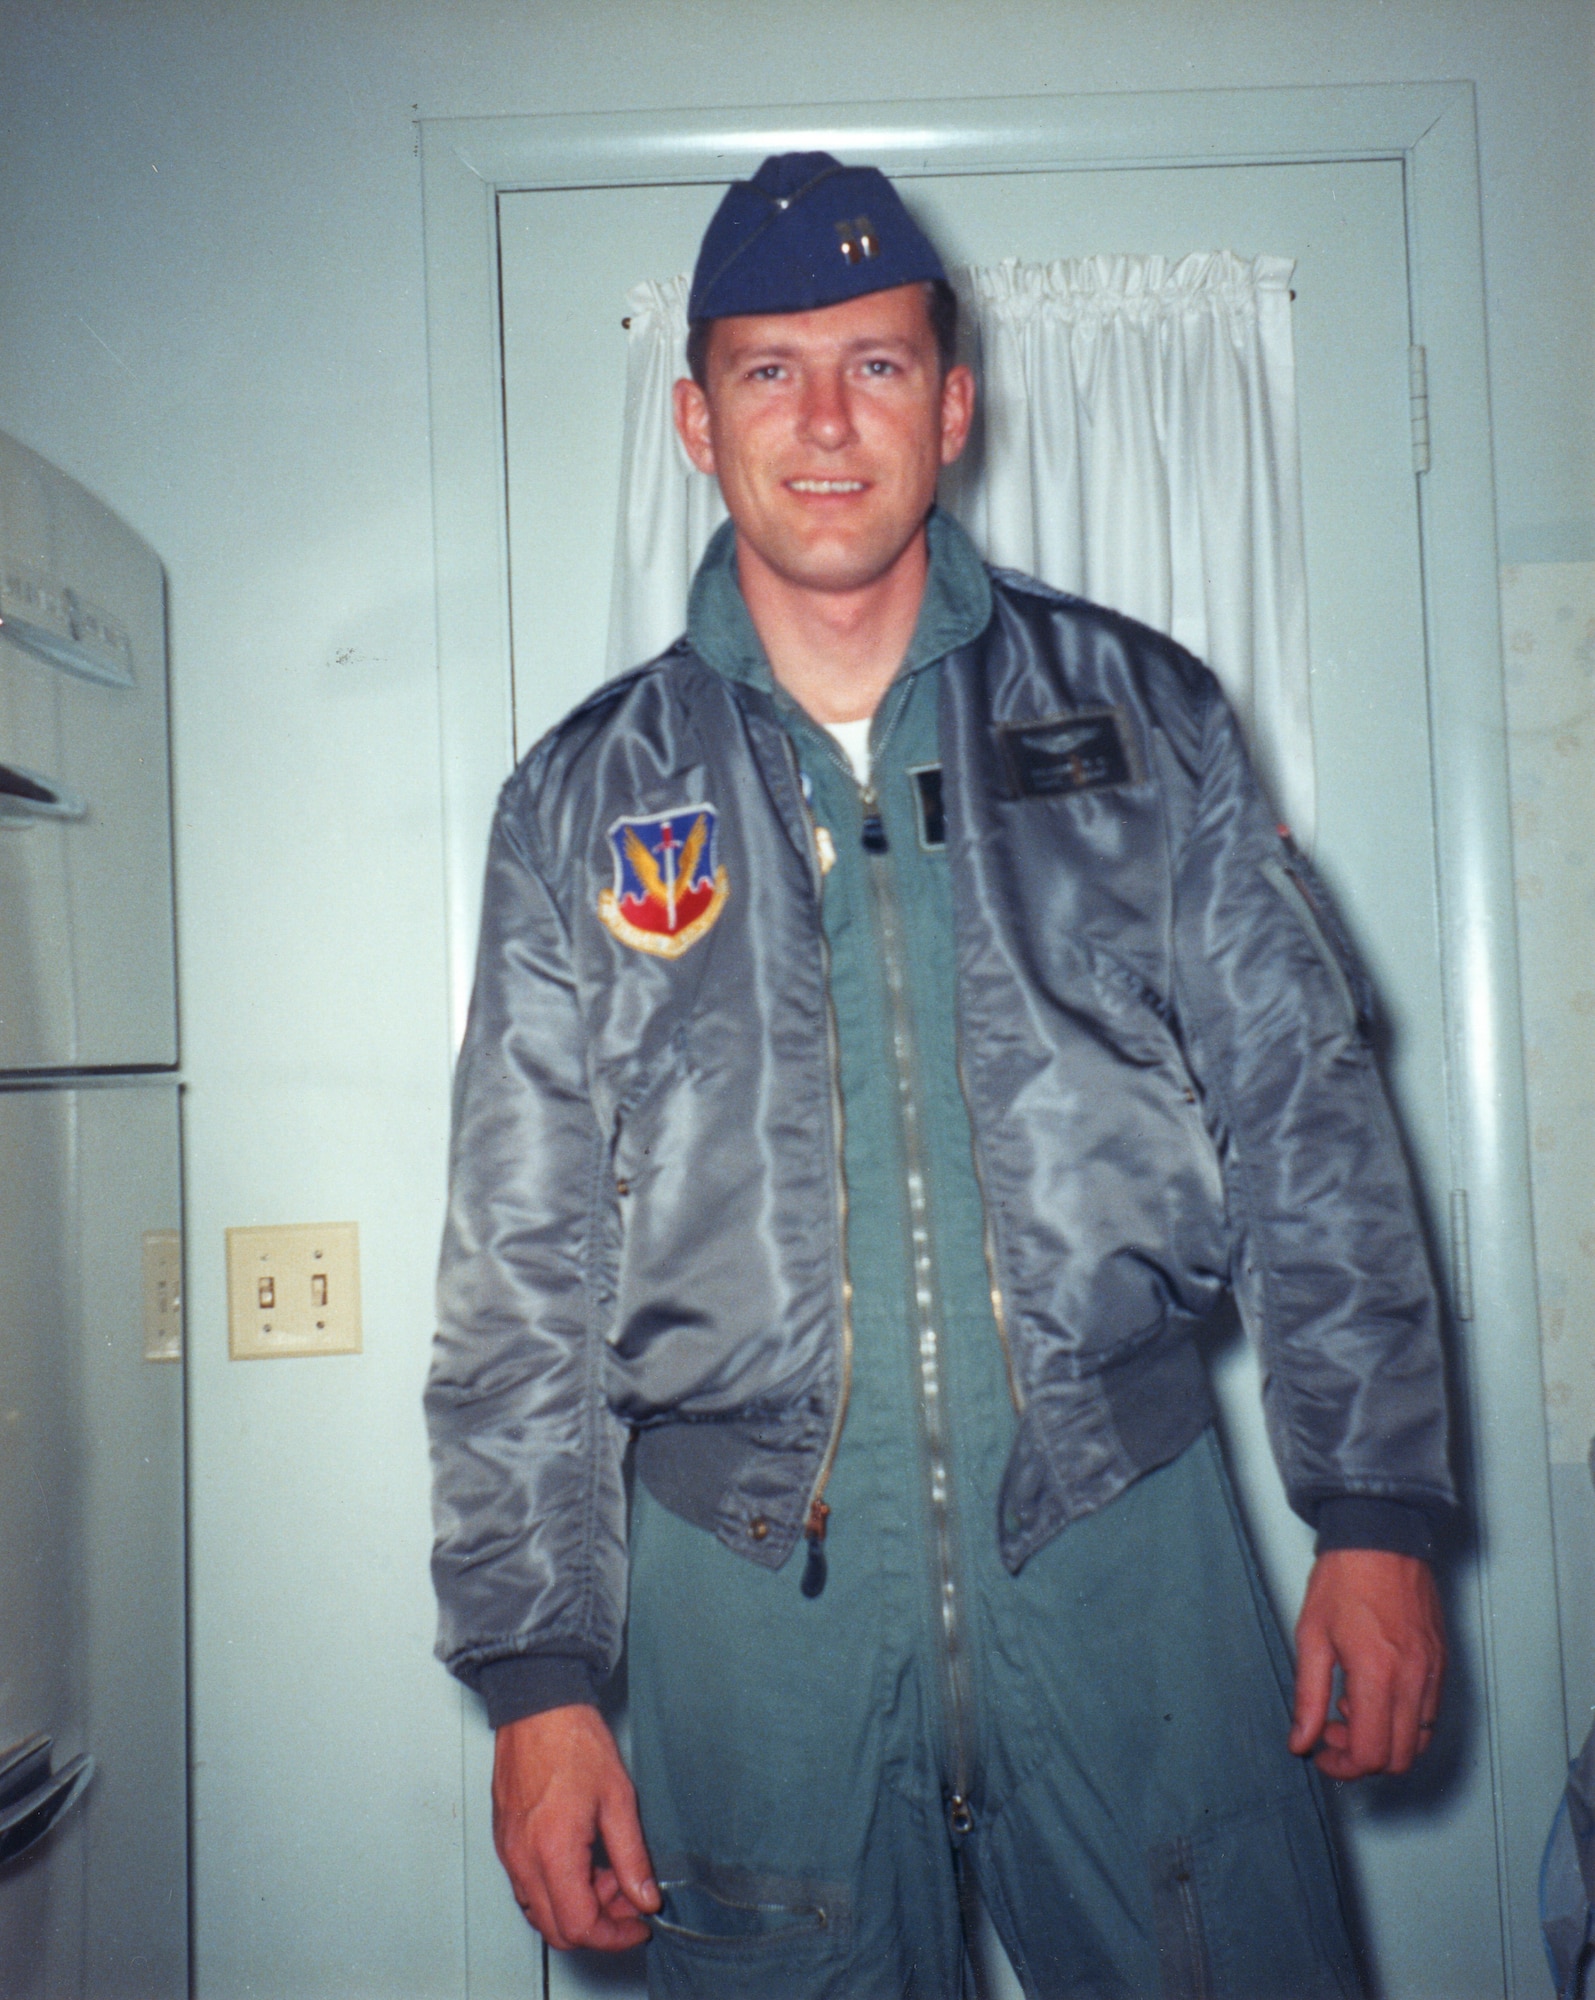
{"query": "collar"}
pixel 955 609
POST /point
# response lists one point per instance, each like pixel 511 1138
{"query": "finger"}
pixel 564 1856
pixel 618 1926
pixel 1333 1755
pixel 532 1899
pixel 512 1839
pixel 1429 1705
pixel 1405 1732
pixel 1315 1666
pixel 582 1914
pixel 612 1898
pixel 1433 1687
pixel 1412 1716
pixel 537 1913
pixel 623 1843
pixel 615 1934
pixel 1370 1714
pixel 1420 1705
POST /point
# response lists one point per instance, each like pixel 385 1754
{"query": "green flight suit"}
pixel 1097 1743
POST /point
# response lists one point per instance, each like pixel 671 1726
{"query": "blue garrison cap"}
pixel 807 232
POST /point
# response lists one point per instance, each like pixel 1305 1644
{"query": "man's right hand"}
pixel 558 1788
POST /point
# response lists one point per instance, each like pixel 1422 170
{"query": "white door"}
pixel 1424 1851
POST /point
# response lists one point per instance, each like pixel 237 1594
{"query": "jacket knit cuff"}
pixel 1358 1521
pixel 528 1683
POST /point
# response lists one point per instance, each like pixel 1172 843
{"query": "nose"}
pixel 827 417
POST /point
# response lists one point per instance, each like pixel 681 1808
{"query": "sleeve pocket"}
pixel 1301 894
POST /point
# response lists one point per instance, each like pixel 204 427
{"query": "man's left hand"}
pixel 1377 1616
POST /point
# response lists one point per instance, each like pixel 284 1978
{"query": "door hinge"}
pixel 1461 1256
pixel 1418 387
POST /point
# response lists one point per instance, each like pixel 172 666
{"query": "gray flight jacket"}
pixel 1164 1050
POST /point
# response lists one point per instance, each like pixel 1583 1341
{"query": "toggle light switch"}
pixel 293 1290
pixel 163 1295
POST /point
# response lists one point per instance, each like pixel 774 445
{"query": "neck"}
pixel 835 651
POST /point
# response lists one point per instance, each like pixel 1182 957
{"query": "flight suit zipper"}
pixel 926 1313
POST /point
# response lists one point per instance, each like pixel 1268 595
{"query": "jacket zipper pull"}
pixel 814 1534
pixel 874 830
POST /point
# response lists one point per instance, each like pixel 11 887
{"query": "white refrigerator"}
pixel 93 1734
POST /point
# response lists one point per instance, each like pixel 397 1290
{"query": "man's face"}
pixel 826 431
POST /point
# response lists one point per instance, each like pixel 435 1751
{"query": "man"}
pixel 898 1019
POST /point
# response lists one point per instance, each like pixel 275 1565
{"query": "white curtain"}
pixel 668 509
pixel 1135 442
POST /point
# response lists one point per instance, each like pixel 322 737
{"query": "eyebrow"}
pixel 775 350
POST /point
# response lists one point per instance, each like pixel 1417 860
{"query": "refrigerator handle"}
pixel 26 798
pixel 32 1797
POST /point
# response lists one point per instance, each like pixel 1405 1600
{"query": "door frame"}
pixel 467 164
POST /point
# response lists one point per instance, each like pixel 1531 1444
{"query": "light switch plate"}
pixel 163 1295
pixel 293 1290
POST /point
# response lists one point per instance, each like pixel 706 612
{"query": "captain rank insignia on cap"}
pixel 858 239
pixel 667 891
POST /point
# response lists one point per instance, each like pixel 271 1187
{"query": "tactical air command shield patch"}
pixel 668 891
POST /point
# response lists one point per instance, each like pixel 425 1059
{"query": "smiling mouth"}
pixel 826 485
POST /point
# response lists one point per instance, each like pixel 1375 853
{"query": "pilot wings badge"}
pixel 668 892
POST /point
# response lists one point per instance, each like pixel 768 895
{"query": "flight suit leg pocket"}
pixel 725 1932
pixel 1177 1917
pixel 1248 1908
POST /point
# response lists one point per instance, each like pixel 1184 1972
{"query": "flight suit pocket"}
pixel 1177 1914
pixel 732 1932
pixel 1248 1909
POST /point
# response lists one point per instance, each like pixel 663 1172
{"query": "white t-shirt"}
pixel 854 739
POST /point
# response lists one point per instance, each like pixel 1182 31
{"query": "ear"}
pixel 957 411
pixel 692 423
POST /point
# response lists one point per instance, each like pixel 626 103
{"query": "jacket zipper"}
pixel 926 1312
pixel 818 1514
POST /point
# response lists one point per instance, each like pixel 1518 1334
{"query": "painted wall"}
pixel 1548 623
pixel 210 311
